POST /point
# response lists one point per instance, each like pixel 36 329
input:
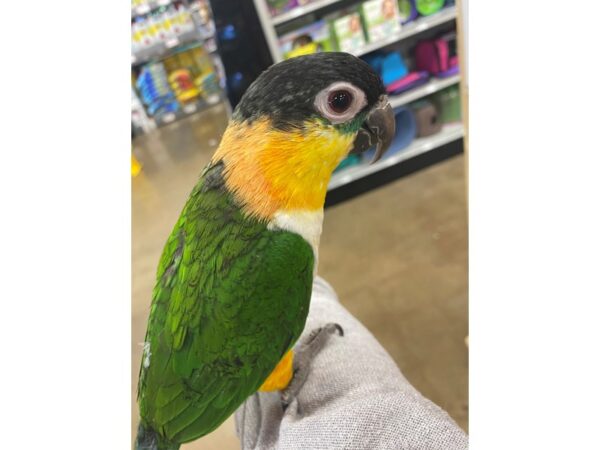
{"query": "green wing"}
pixel 231 298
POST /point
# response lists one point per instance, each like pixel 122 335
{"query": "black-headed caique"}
pixel 234 281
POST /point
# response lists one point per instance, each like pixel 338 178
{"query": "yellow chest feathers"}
pixel 272 171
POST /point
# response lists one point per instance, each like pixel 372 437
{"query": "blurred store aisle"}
pixel 406 279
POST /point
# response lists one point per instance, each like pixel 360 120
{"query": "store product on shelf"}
pixel 278 7
pixel 395 74
pixel 153 86
pixel 174 68
pixel 201 11
pixel 427 116
pixel 140 6
pixel 141 35
pixel 448 103
pixel 438 56
pixel 161 28
pixel 183 86
pixel 408 82
pixel 393 68
pixel 312 38
pixel 381 18
pixel 139 118
pixel 406 131
pixel 347 31
pixel 171 16
pixel 428 7
pixel 192 75
pixel 209 87
pixel 185 19
pixel 408 11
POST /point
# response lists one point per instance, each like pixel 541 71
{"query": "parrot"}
pixel 234 281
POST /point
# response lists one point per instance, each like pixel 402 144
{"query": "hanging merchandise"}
pixel 381 18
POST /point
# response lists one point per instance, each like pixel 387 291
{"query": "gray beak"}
pixel 378 129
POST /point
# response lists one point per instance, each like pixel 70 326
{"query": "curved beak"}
pixel 378 129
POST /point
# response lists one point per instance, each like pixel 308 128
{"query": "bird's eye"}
pixel 340 101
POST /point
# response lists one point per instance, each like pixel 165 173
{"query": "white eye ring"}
pixel 359 101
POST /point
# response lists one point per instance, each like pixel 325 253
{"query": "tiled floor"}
pixel 397 257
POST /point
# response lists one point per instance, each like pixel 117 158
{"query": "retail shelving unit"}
pixel 449 133
pixel 410 29
pixel 429 149
pixel 188 40
pixel 434 85
pixel 270 24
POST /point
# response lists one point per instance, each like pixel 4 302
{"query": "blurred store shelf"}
pixel 434 85
pixel 301 11
pixel 189 109
pixel 449 133
pixel 170 46
pixel 417 26
pixel 145 8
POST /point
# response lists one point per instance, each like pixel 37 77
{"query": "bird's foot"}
pixel 303 356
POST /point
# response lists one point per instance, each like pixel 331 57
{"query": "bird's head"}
pixel 295 124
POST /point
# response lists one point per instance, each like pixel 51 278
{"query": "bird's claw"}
pixel 303 357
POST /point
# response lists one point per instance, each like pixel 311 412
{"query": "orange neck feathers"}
pixel 270 170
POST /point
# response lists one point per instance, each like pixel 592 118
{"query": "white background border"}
pixel 65 228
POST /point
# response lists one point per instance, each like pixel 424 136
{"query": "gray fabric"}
pixel 354 398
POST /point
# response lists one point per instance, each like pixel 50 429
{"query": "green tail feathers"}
pixel 148 439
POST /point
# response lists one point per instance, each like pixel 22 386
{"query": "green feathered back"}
pixel 231 298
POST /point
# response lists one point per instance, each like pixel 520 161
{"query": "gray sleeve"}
pixel 354 398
